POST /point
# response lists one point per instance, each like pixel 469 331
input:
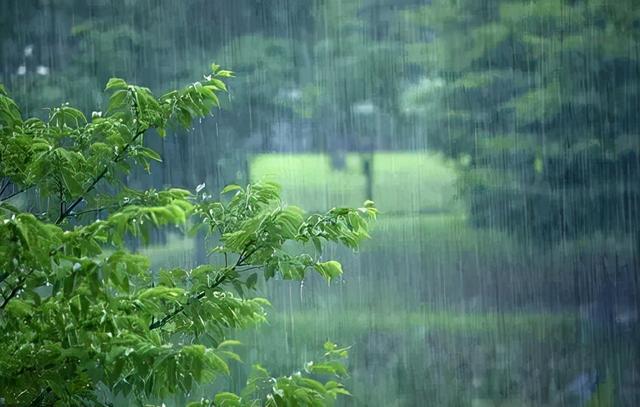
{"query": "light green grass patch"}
pixel 352 323
pixel 402 182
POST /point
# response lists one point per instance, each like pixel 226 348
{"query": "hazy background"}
pixel 499 138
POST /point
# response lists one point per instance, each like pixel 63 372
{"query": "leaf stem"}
pixel 97 179
pixel 243 257
pixel 162 322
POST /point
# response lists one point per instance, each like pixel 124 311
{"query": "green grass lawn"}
pixel 352 323
pixel 402 182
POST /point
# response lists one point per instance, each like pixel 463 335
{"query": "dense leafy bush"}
pixel 83 318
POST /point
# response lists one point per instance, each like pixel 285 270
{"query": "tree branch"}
pixel 251 268
pixel 94 210
pixel 245 255
pixel 4 187
pixel 18 192
pixel 97 179
pixel 61 197
pixel 162 322
pixel 14 291
pixel 38 400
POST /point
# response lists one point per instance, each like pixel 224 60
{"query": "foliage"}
pixel 298 388
pixel 403 181
pixel 80 313
pixel 538 101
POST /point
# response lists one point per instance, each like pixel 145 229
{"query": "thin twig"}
pixel 14 291
pixel 243 257
pixel 38 400
pixel 251 268
pixel 97 179
pixel 4 187
pixel 61 197
pixel 18 192
pixel 162 322
pixel 85 212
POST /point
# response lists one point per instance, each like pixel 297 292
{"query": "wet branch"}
pixel 100 176
pixel 15 290
pixel 17 192
pixel 88 211
pixel 221 279
pixel 41 397
pixel 162 322
pixel 4 187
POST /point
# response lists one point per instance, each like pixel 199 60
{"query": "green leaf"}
pixel 230 188
pixel 229 342
pixel 116 84
pixel 117 100
pixel 252 280
pixel 149 153
pixel 225 74
pixel 167 293
pixel 329 270
pixel 71 183
pixel 225 399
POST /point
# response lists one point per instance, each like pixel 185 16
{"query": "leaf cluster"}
pixel 79 311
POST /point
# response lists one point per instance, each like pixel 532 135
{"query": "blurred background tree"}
pixel 539 101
